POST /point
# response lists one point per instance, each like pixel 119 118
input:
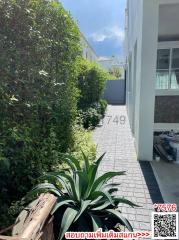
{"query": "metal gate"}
pixel 115 92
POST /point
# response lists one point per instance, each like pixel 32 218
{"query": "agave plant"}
pixel 86 201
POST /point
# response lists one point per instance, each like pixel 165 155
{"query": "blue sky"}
pixel 102 22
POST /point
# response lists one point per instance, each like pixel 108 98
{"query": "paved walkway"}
pixel 139 184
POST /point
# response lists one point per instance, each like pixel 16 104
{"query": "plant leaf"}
pixel 95 201
pixel 86 162
pixel 122 219
pixel 125 201
pixel 74 161
pixel 70 163
pixel 96 221
pixel 93 168
pixel 54 179
pixel 101 207
pixel 82 184
pixel 84 205
pixel 60 203
pixel 71 182
pixel 58 176
pixel 92 173
pixel 111 185
pixel 105 194
pixel 112 190
pixel 44 187
pixel 104 178
pixel 68 217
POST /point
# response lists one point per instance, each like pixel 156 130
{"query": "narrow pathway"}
pixel 139 184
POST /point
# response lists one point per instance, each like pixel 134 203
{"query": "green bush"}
pixel 101 106
pixel 86 202
pixel 91 83
pixel 39 46
pixel 83 140
pixel 92 115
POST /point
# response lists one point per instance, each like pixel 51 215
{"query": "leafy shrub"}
pixel 85 202
pixel 83 140
pixel 39 45
pixel 111 76
pixel 92 115
pixel 91 82
pixel 101 106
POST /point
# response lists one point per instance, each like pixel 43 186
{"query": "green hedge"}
pixel 39 46
pixel 91 82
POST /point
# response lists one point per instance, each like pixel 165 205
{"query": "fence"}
pixel 115 91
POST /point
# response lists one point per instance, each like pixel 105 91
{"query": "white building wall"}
pixel 148 77
pixel 134 30
pixel 88 52
pixel 141 59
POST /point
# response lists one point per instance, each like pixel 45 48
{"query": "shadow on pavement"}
pixel 151 182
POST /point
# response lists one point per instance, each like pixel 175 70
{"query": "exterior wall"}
pixel 133 36
pixel 167 109
pixel 88 52
pixel 148 76
pixel 141 69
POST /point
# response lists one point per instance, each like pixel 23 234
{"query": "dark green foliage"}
pixel 91 82
pixel 103 105
pixel 92 115
pixel 39 46
pixel 86 201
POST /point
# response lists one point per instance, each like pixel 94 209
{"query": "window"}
pixel 167 69
pixel 163 64
pixel 175 69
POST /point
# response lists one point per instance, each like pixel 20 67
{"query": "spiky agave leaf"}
pixel 55 179
pixel 121 219
pixel 64 200
pixel 123 200
pixel 100 181
pixel 44 188
pixel 67 219
pixel 96 221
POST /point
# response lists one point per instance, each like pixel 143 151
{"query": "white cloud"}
pixel 108 33
pixel 98 37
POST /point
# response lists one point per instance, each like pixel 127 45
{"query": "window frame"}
pixel 170 46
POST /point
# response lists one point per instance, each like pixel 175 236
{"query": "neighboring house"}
pixel 88 52
pixel 152 70
pixel 112 65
